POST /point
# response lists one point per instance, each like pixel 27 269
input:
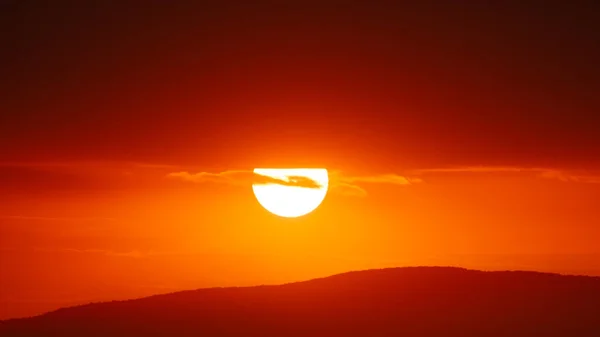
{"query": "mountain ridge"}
pixel 419 301
pixel 348 273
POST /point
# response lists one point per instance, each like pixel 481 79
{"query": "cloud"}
pixel 576 176
pixel 571 177
pixel 393 179
pixel 346 185
pixel 349 189
pixel 29 178
pixel 351 185
pixel 240 177
pixel 89 165
pixel 62 219
pixel 474 169
pixel 137 254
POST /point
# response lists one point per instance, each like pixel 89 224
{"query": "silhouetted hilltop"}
pixel 423 301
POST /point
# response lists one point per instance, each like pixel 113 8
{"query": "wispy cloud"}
pixel 340 183
pixel 22 178
pixel 349 189
pixel 61 219
pixel 357 185
pixel 59 165
pixel 576 176
pixel 393 179
pixel 353 185
pixel 86 169
pixel 137 254
pixel 571 177
pixel 474 169
pixel 237 177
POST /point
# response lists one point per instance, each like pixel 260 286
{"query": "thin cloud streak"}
pixel 476 169
pixel 42 218
pixel 86 164
pixel 350 185
pixel 241 177
pixel 349 189
pixel 129 254
pixel 393 179
pixel 547 173
pixel 346 185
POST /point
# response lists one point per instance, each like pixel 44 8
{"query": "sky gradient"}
pixel 453 134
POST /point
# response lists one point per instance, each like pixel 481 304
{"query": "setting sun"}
pixel 291 201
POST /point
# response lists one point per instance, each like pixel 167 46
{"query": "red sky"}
pixel 468 133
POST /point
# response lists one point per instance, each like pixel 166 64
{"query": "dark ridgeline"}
pixel 421 301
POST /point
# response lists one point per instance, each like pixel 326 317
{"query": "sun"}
pixel 291 201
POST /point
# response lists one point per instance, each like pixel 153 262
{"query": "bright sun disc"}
pixel 291 201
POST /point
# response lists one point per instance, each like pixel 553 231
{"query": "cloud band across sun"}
pixel 352 185
pixel 76 176
pixel 339 183
pixel 244 178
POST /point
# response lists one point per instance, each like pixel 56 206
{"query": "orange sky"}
pixel 154 234
pixel 455 135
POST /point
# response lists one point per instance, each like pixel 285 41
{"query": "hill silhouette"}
pixel 415 301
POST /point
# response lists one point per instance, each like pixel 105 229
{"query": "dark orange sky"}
pixel 455 135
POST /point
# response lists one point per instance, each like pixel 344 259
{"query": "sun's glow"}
pixel 291 201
